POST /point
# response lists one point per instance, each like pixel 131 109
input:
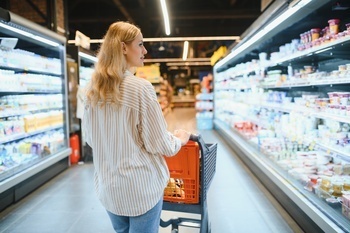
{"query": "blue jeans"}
pixel 146 223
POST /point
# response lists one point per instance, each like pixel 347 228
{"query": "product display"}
pixel 165 95
pixel 33 118
pixel 291 105
pixel 161 86
pixel 80 68
pixel 204 104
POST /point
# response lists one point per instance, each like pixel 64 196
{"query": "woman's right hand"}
pixel 183 135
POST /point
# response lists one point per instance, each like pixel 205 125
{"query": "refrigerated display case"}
pixel 33 102
pixel 282 100
pixel 82 67
pixel 86 60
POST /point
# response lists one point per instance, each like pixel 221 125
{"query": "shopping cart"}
pixel 206 169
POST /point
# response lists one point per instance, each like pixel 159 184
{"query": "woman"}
pixel 126 129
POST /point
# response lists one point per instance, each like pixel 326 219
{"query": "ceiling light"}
pixel 188 63
pixel 185 52
pixel 166 17
pixel 152 60
pixel 88 56
pixel 30 35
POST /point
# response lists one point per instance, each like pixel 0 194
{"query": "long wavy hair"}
pixel 111 65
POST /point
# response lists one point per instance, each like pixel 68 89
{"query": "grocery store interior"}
pixel 265 84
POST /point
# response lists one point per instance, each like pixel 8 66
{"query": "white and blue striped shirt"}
pixel 129 141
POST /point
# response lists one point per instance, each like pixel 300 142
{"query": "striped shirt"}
pixel 129 141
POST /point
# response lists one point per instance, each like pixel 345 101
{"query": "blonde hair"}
pixel 111 65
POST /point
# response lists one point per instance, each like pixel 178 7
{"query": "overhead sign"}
pixel 151 73
pixel 221 52
pixel 8 43
pixel 82 40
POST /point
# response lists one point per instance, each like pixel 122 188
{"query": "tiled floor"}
pixel 237 202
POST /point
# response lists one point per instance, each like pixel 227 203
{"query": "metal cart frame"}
pixel 207 170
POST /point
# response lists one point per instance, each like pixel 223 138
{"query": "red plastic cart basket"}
pixel 183 186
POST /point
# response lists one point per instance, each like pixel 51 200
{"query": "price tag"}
pixel 9 43
pixel 311 146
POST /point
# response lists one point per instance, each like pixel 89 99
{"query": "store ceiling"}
pixel 188 18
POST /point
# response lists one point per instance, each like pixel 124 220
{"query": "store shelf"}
pixel 288 108
pixel 183 101
pixel 26 135
pixel 32 70
pixel 309 83
pixel 291 107
pixel 322 52
pixel 337 152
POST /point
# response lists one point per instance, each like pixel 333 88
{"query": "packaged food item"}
pixel 346 171
pixel 347 28
pixel 326 184
pixel 342 67
pixel 346 206
pixel 337 189
pixel 315 33
pixel 346 185
pixel 333 26
pixel 325 31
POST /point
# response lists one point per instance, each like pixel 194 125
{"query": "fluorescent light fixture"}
pixel 88 56
pixel 166 17
pixel 30 35
pixel 199 59
pixel 281 18
pixel 188 63
pixel 323 50
pixel 46 41
pixel 19 31
pixel 185 52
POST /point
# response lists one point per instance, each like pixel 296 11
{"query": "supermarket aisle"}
pixel 67 204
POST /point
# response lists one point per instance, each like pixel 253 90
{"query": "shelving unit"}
pixel 205 105
pixel 79 73
pixel 161 86
pixel 165 97
pixel 280 114
pixel 34 143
